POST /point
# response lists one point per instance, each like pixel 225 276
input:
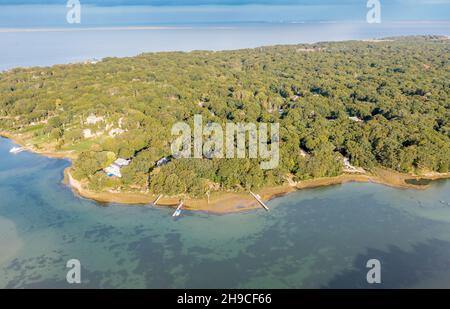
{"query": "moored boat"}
pixel 177 212
pixel 16 150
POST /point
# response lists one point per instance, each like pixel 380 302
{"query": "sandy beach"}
pixel 227 202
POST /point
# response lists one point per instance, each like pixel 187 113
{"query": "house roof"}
pixel 113 170
pixel 122 162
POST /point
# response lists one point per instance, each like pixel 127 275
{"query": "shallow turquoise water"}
pixel 312 238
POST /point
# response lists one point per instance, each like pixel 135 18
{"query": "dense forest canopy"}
pixel 378 103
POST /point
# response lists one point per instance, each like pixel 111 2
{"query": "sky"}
pixel 228 2
pixel 34 13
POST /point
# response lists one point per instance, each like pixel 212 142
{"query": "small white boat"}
pixel 177 212
pixel 16 150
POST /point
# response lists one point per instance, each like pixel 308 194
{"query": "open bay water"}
pixel 315 238
pixel 45 48
pixel 42 37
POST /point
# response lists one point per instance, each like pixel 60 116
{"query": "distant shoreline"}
pixel 124 28
pixel 230 36
pixel 209 26
pixel 229 202
pixel 203 25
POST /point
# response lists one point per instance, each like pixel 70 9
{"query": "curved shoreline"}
pixel 229 202
pixel 232 202
pixel 68 155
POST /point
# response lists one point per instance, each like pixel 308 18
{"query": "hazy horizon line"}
pixel 191 25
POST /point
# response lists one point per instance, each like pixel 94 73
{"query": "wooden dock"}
pixel 258 198
pixel 156 201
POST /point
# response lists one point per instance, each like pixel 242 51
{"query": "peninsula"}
pixel 372 111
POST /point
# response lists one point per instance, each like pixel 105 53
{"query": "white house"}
pixel 92 119
pixel 113 170
pixel 87 133
pixel 354 118
pixel 122 162
pixel 115 132
pixel 348 168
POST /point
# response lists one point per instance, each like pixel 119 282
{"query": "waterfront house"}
pixel 114 169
